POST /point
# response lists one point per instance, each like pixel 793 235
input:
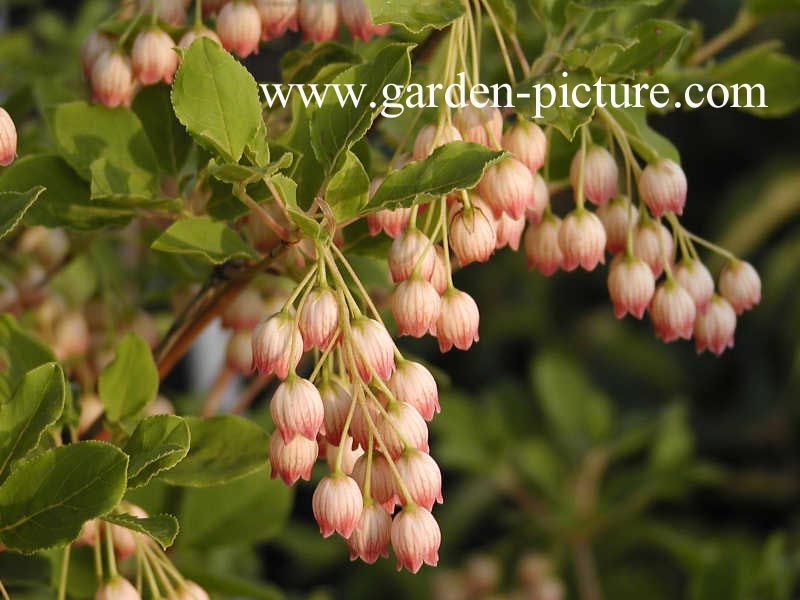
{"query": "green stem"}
pixel 98 554
pixel 500 42
pixel 112 560
pixel 445 243
pixel 3 591
pixel 198 14
pixel 62 581
pixel 741 26
pixel 579 192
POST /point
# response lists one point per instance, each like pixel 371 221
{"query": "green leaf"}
pixel 129 381
pixel 162 528
pixel 200 236
pixel 45 500
pixel 287 188
pixel 658 42
pixel 86 133
pixel 19 353
pixel 673 441
pixel 577 413
pixel 157 444
pixel 65 202
pixel 237 173
pixel 567 119
pixel 246 511
pixel 416 15
pixel 766 8
pixel 454 166
pixel 304 65
pixel 36 405
pixel 348 190
pixel 167 136
pixel 613 4
pixel 778 74
pixel 13 206
pixel 647 142
pixel 599 57
pixel 223 449
pixel 216 99
pixel 334 128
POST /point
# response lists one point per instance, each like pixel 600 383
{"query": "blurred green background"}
pixel 578 451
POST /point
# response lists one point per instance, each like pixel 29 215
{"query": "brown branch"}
pixel 222 286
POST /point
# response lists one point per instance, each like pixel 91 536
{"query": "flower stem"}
pixel 112 560
pixel 741 26
pixel 62 581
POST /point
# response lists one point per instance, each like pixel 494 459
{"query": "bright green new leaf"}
pixel 238 173
pixel 162 528
pixel 454 166
pixel 416 15
pixel 157 444
pixel 766 8
pixel 246 511
pixel 216 99
pixel 658 42
pixel 19 352
pixel 348 190
pixel 87 133
pixel 46 500
pixel 200 236
pixel 129 381
pixel 287 189
pixel 335 128
pixel 167 136
pixel 65 202
pixel 223 449
pixel 761 73
pixel 13 206
pixel 36 405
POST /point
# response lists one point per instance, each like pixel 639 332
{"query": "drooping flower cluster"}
pixel 364 408
pixel 116 66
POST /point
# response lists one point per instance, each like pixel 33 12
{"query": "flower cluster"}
pixel 364 408
pixel 115 66
pixel 121 544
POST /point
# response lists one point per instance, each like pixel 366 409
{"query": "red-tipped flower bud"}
pixel 415 306
pixel 189 590
pixel 198 32
pixel 541 246
pixel 672 311
pixel 403 422
pixel 507 187
pixel 693 276
pixel 416 538
pixel 714 327
pixel 582 240
pixel 393 222
pixel 112 79
pixel 538 200
pixel 600 174
pixel 472 234
pixel 239 27
pixel 153 58
pixel 117 589
pixel 297 409
pixel 277 17
pixel 337 505
pixel 319 319
pixel 8 139
pixel 652 242
pixel 408 251
pixel 615 216
pixel 382 482
pixel 526 140
pixel 319 19
pixel 356 17
pixel 422 477
pixel 431 137
pixel 740 285
pixel 92 47
pixel 509 231
pixel 414 384
pixel 662 186
pixel 479 125
pixel 336 401
pixel 239 352
pixel 459 321
pixel 373 348
pixel 277 345
pixel 370 538
pixel 294 460
pixel 631 286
